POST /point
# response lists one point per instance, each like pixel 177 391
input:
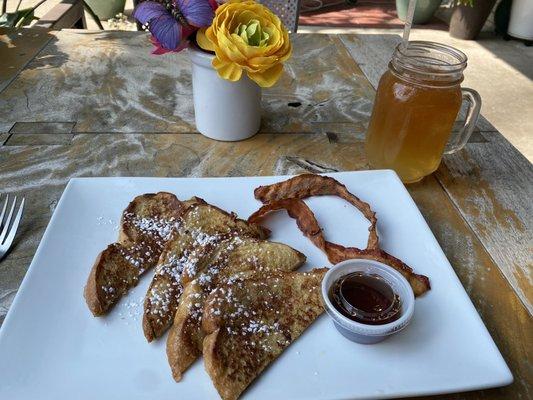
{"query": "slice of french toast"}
pixel 248 323
pixel 146 225
pixel 231 259
pixel 202 228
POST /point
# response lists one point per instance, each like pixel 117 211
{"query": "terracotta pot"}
pixel 467 22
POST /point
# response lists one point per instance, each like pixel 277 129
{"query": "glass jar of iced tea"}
pixel 416 105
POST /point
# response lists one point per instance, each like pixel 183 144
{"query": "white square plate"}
pixel 52 348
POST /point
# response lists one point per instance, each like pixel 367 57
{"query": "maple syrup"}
pixel 365 298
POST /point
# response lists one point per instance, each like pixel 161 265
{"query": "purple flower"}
pixel 171 22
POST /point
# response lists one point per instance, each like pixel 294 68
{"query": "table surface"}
pixel 81 103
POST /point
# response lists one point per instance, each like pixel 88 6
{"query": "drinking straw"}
pixel 408 21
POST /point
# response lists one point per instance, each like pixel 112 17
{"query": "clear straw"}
pixel 408 21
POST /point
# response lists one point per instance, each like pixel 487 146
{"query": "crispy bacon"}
pixel 307 185
pixel 288 195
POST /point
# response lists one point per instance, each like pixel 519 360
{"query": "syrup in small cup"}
pixel 367 300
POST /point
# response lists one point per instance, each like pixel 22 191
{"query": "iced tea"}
pixel 410 126
pixel 416 105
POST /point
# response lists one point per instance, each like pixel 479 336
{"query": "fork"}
pixel 9 226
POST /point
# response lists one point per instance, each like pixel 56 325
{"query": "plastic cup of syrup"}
pixel 367 300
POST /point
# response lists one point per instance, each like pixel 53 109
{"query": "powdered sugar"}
pixel 160 300
pixel 246 322
pixel 172 267
pixel 139 255
pixel 108 289
pixel 131 310
pixel 162 295
pixel 155 227
pixel 203 239
pixel 102 221
pixel 195 306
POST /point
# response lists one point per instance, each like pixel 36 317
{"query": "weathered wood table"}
pixel 81 103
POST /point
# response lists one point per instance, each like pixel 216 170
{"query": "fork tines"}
pixel 9 224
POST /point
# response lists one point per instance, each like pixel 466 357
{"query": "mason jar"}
pixel 416 105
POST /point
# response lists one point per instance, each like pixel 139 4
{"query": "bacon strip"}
pixel 287 195
pixel 307 185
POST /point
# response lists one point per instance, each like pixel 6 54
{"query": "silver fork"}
pixel 9 225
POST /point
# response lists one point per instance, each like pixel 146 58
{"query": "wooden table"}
pixel 98 104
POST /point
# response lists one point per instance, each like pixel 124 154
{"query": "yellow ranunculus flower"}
pixel 246 35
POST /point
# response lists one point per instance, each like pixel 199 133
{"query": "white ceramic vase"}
pixel 223 110
pixel 521 22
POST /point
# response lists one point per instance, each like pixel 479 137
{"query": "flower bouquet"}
pixel 236 48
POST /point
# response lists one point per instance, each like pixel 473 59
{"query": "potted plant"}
pixel 424 10
pixel 25 16
pixel 468 18
pixel 236 49
pixel 107 9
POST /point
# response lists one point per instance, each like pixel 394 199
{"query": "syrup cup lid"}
pixel 395 279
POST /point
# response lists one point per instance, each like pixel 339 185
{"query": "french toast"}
pixel 248 323
pixel 146 225
pixel 231 259
pixel 202 228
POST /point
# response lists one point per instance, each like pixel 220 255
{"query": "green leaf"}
pixel 18 18
pixel 93 15
pixel 466 2
pixel 8 19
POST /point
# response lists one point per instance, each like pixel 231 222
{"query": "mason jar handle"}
pixel 459 139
